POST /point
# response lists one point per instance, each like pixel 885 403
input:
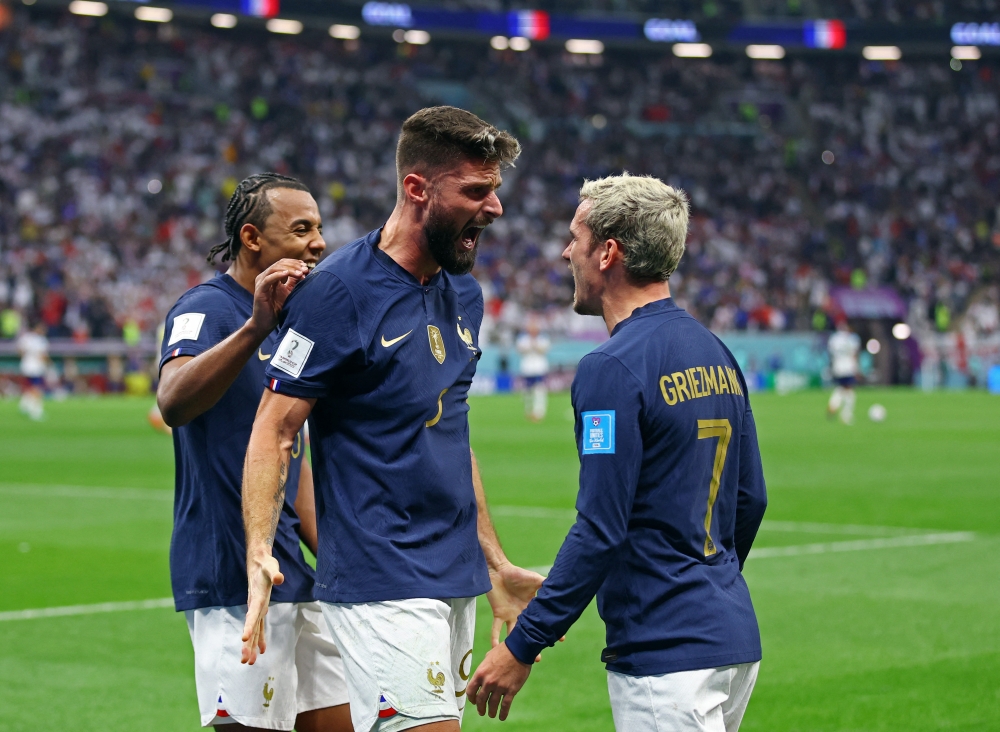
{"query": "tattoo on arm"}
pixel 278 501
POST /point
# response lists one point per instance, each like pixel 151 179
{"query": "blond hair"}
pixel 643 214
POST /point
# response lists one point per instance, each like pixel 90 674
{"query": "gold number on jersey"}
pixel 297 447
pixel 707 429
pixel 437 417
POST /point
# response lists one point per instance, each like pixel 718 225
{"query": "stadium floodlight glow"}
pixel 417 37
pixel 765 51
pixel 671 31
pixel 397 14
pixel 979 34
pixel 154 186
pixel 224 20
pixel 966 53
pixel 901 331
pixel 584 45
pixel 154 15
pixel 882 53
pixel 873 346
pixel 87 7
pixel 284 25
pixel 692 50
pixel 499 43
pixel 345 32
pixel 519 43
pixel 827 157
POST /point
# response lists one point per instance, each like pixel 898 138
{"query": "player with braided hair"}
pixel 217 340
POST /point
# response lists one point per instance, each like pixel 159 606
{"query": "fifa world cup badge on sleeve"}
pixel 292 353
pixel 599 433
pixel 186 327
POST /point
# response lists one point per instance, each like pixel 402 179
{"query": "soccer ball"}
pixel 876 413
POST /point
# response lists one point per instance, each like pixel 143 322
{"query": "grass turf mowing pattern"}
pixel 896 639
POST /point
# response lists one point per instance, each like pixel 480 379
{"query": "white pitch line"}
pixel 101 607
pixel 796 527
pixel 79 491
pixel 799 550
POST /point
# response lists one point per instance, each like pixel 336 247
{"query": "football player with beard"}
pixel 378 347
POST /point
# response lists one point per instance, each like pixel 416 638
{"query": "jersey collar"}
pixel 390 264
pixel 653 308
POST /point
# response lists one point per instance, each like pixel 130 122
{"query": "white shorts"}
pixel 301 669
pixel 708 700
pixel 407 661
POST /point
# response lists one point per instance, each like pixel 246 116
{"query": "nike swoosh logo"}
pixel 263 356
pixel 395 340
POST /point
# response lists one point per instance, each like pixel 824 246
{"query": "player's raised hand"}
pixel 497 680
pixel 270 290
pixel 261 577
pixel 513 589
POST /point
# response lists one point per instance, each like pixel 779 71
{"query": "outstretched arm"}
pixel 513 587
pixel 191 385
pixel 265 471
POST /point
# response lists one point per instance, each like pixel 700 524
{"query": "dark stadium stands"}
pixel 120 143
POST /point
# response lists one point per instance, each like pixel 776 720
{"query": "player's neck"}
pixel 622 298
pixel 244 274
pixel 403 240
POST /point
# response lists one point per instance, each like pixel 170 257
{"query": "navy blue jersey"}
pixel 671 497
pixel 208 546
pixel 390 362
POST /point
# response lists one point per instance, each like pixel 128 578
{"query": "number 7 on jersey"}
pixel 707 429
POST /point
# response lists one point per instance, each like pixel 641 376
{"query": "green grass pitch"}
pixel 875 579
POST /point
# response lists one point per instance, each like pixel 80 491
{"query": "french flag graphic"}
pixel 275 384
pixel 825 34
pixel 531 24
pixel 385 709
pixel 175 353
pixel 221 712
pixel 260 8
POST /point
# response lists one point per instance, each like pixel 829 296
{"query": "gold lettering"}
pixel 669 395
pixel 708 379
pixel 681 382
pixel 723 382
pixel 734 382
pixel 693 382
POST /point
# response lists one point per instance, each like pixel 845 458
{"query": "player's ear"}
pixel 250 237
pixel 611 250
pixel 415 188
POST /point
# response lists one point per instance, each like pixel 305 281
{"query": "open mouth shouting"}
pixel 470 237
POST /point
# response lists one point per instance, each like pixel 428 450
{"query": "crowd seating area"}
pixel 120 143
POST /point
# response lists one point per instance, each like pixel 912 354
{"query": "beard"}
pixel 444 240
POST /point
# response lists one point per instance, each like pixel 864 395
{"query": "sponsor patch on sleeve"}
pixel 186 327
pixel 292 354
pixel 599 433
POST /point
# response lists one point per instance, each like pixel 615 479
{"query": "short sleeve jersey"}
pixel 208 546
pixel 389 362
pixel 671 496
pixel 844 348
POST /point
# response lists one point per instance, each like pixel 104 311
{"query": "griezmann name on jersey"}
pixel 208 547
pixel 671 496
pixel 389 362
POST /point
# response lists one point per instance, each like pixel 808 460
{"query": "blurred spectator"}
pixel 121 142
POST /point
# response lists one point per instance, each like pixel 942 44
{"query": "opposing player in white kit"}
pixel 34 349
pixel 533 346
pixel 844 347
pixel 217 341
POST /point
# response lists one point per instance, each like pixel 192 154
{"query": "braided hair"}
pixel 250 205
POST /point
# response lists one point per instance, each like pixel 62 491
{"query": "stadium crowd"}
pixel 121 142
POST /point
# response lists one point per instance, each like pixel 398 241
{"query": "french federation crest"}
pixel 437 343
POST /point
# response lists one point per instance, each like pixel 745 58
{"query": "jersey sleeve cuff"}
pixel 290 388
pixel 521 647
pixel 181 351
